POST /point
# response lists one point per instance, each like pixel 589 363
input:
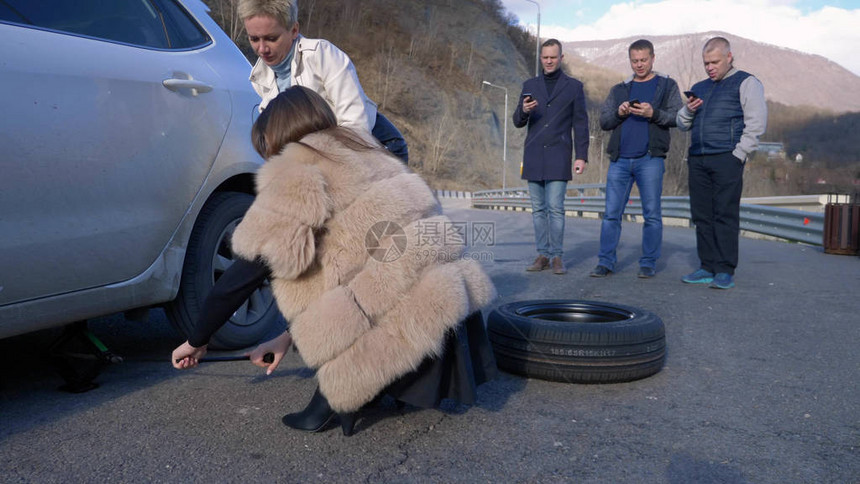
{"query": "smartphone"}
pixel 690 94
pixel 527 97
pixel 634 102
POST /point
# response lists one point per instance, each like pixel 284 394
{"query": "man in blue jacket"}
pixel 639 112
pixel 726 116
pixel 553 106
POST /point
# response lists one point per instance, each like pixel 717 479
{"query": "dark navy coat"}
pixel 556 126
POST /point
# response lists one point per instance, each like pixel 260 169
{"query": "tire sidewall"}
pixel 629 345
pixel 516 324
pixel 220 212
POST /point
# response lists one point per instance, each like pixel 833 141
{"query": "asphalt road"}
pixel 760 386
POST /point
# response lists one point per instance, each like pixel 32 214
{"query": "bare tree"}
pixel 443 133
pixel 675 179
pixel 598 141
pixel 389 64
pixel 310 6
pixel 688 65
pixel 224 12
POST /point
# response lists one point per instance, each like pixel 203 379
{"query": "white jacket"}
pixel 319 65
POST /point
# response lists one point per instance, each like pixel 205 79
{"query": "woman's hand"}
pixel 277 347
pixel 186 356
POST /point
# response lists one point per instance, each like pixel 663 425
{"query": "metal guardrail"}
pixel 452 194
pixel 783 223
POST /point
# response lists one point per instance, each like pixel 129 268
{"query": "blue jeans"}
pixel 390 137
pixel 548 215
pixel 647 172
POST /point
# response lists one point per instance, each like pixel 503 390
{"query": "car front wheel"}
pixel 208 256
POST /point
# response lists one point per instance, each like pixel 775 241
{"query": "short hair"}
pixel 550 43
pixel 717 43
pixel 641 44
pixel 284 11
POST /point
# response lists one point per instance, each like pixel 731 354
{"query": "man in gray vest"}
pixel 727 114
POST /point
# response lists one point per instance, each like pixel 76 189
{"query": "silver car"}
pixel 125 162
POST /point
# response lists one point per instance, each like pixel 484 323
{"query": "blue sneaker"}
pixel 701 276
pixel 722 281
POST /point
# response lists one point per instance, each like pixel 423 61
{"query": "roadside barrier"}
pixel 782 223
pixel 452 194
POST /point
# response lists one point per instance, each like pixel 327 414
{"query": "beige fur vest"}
pixel 362 266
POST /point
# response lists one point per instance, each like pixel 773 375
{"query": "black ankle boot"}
pixel 318 415
pixel 347 422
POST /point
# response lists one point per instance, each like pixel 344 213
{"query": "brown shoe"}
pixel 558 266
pixel 539 264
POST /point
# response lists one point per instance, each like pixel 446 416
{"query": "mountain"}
pixel 790 77
pixel 425 62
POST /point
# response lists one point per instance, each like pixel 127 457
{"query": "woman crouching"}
pixel 362 264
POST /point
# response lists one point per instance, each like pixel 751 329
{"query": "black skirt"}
pixel 466 362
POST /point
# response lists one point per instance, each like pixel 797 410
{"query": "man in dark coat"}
pixel 553 106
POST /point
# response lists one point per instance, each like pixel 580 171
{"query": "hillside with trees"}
pixel 424 62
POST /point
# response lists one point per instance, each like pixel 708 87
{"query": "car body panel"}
pixel 104 169
pixel 111 150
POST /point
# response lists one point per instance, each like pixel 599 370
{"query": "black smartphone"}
pixel 634 102
pixel 527 97
pixel 690 94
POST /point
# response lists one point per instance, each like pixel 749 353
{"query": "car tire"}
pixel 577 341
pixel 208 256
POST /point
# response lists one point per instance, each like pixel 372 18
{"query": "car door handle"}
pixel 195 86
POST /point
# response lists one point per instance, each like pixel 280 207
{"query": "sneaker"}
pixel 600 271
pixel 701 276
pixel 558 266
pixel 722 281
pixel 646 272
pixel 541 263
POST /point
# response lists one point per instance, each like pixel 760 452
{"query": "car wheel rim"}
pixel 574 312
pixel 259 302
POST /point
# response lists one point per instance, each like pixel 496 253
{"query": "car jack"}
pixel 78 356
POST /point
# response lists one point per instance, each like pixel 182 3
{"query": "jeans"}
pixel 647 172
pixel 391 138
pixel 548 215
pixel 716 185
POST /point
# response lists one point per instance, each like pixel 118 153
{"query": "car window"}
pixel 182 31
pixel 138 22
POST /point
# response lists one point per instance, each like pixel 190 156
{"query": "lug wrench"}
pixel 267 358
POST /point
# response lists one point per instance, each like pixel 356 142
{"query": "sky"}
pixel 827 28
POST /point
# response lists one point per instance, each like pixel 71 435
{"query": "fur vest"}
pixel 362 265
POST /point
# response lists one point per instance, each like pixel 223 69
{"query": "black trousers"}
pixel 716 184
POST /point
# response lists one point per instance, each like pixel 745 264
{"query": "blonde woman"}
pixel 287 58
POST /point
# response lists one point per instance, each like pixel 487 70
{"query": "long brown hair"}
pixel 295 113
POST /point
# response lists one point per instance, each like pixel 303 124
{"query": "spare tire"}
pixel 577 341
